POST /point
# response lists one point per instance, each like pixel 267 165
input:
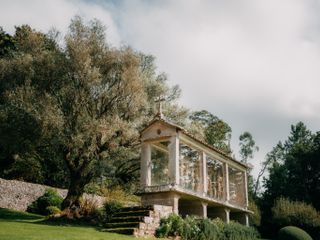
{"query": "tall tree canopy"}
pixel 211 129
pixel 294 170
pixel 294 167
pixel 7 43
pixel 247 146
pixel 83 103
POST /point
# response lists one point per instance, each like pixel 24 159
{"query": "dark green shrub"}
pixel 111 208
pixel 170 226
pixel 293 233
pixel 51 210
pixel 49 198
pixel 192 228
pixel 299 214
pixel 255 218
pixel 210 229
pixel 237 231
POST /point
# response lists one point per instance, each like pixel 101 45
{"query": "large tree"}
pixel 247 149
pixel 7 43
pixel 294 170
pixel 87 100
pixel 26 114
pixel 211 129
pixel 247 146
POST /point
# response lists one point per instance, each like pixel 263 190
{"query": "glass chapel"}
pixel 194 178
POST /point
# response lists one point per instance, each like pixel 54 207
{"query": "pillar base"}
pixel 241 217
pixel 163 198
pixel 219 212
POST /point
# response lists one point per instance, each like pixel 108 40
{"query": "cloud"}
pixel 253 63
pixel 44 14
pixel 255 52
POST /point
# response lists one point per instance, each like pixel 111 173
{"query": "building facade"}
pixel 194 178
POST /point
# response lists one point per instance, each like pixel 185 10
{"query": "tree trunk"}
pixel 75 191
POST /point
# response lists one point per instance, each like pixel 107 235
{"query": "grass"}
pixel 16 225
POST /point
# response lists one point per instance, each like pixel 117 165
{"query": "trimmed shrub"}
pixel 293 233
pixel 49 198
pixel 299 214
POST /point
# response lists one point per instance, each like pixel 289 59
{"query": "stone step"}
pixel 136 208
pixel 127 219
pixel 138 213
pixel 127 231
pixel 122 225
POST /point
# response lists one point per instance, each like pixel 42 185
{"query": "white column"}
pixel 176 205
pixel 227 212
pixel 174 160
pixel 247 219
pixel 204 174
pixel 246 187
pixel 204 209
pixel 227 182
pixel 145 165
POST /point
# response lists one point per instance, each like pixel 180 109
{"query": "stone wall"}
pixel 19 195
pixel 148 227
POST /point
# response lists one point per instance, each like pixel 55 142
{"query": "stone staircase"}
pixel 138 221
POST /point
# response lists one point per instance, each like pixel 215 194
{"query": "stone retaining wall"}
pixel 19 195
pixel 148 227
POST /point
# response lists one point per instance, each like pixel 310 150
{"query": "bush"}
pixel 236 231
pixel 49 198
pixel 118 194
pixel 192 228
pixel 211 230
pixel 170 226
pixel 88 207
pixel 293 233
pixel 52 210
pixel 299 214
pixel 255 218
pixel 111 208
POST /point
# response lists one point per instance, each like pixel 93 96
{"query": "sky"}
pixel 253 63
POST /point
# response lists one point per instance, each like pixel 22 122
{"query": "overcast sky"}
pixel 253 63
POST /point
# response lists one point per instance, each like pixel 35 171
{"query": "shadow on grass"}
pixel 12 215
pixel 16 216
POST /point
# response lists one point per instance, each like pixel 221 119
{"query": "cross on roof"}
pixel 159 100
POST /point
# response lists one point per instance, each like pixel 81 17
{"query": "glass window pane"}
pixel 237 187
pixel 215 179
pixel 190 170
pixel 159 163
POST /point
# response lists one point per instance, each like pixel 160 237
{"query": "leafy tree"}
pixel 7 43
pixel 247 149
pixel 215 131
pixel 293 170
pixel 247 146
pixel 88 100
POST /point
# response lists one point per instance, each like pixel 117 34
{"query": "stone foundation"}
pixel 152 222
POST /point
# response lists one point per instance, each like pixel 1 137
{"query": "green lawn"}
pixel 24 226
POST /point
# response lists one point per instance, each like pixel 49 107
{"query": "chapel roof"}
pixel 160 118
